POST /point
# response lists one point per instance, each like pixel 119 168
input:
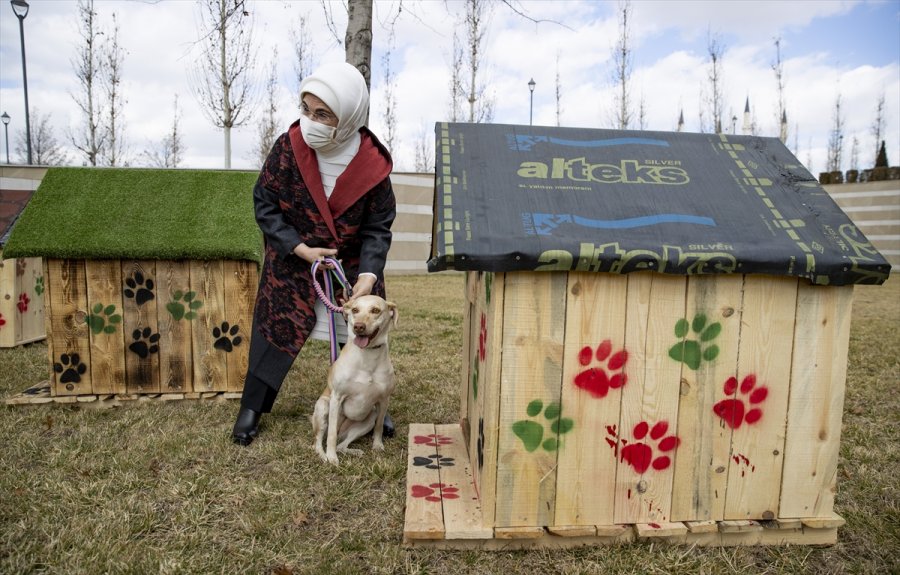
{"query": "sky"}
pixel 830 50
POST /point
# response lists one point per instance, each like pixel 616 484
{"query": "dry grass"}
pixel 159 488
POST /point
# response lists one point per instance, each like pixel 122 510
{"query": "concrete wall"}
pixel 875 209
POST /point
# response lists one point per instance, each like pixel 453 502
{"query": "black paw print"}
pixel 226 337
pixel 480 442
pixel 139 288
pixel 70 367
pixel 433 461
pixel 145 342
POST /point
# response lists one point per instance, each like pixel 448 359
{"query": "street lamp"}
pixel 531 107
pixel 733 124
pixel 20 9
pixel 5 119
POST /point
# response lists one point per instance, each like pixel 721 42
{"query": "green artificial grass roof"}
pixel 124 213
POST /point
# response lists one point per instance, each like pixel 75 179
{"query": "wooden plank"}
pixel 518 532
pixel 704 526
pixel 424 517
pixel 8 302
pixel 70 347
pixel 533 331
pixel 832 520
pixel 32 284
pixel 485 410
pixel 594 367
pixel 106 327
pixel 469 287
pixel 210 368
pixel 700 478
pixel 462 513
pixel 141 326
pixel 818 377
pixel 739 526
pixel 661 529
pixel 573 530
pixel 649 419
pixel 176 308
pixel 241 279
pixel 757 406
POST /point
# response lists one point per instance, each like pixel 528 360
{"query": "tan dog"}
pixel 360 381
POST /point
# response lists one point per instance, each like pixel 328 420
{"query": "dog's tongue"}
pixel 361 341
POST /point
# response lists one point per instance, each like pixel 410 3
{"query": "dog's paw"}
pixel 378 445
pixel 331 458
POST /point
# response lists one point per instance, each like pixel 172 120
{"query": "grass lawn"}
pixel 160 488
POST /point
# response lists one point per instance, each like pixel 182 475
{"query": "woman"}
pixel 324 191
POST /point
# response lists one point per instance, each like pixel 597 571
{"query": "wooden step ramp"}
pixel 443 511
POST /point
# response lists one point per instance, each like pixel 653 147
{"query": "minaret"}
pixel 681 121
pixel 784 127
pixel 747 128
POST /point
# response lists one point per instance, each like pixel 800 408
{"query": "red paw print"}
pixel 732 410
pixel 435 491
pixel 2 321
pixel 640 455
pixel 482 339
pixel 595 380
pixel 23 303
pixel 433 440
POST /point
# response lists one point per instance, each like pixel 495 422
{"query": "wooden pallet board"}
pixel 39 394
pixel 443 512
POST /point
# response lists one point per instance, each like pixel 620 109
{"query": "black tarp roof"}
pixel 523 198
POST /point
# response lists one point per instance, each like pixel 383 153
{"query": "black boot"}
pixel 388 428
pixel 246 428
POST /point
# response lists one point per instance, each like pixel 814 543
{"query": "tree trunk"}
pixel 358 41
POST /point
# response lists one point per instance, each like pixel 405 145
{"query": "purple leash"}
pixel 327 297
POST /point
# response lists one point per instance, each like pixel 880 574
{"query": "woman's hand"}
pixel 363 286
pixel 310 255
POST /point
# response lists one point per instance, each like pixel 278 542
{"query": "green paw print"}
pixel 39 285
pixel 103 319
pixel 475 378
pixel 184 305
pixel 691 351
pixel 532 433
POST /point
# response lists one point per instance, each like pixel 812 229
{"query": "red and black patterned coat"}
pixel 291 208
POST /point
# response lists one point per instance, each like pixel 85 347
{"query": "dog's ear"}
pixel 345 310
pixel 395 313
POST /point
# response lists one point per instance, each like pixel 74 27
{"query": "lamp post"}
pixel 733 124
pixel 531 106
pixel 20 9
pixel 5 119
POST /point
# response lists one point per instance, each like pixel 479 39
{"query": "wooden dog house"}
pixel 656 337
pixel 21 279
pixel 150 278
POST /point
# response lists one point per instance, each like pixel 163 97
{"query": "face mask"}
pixel 315 134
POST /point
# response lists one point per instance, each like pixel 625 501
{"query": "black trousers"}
pixel 268 367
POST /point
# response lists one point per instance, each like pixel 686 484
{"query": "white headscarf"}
pixel 343 89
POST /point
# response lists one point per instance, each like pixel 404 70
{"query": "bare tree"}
pixel 477 17
pixel 301 40
pixel 456 89
pixel 558 93
pixel 877 129
pixel 836 137
pixel 113 57
pixel 424 151
pixel 642 113
pixel 715 100
pixel 622 58
pixel 389 114
pixel 222 81
pixel 170 152
pixel 87 66
pixel 45 150
pixel 358 40
pixel 267 127
pixel 781 112
pixel 854 154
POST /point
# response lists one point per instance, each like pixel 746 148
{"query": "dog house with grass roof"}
pixel 21 279
pixel 655 341
pixel 149 277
